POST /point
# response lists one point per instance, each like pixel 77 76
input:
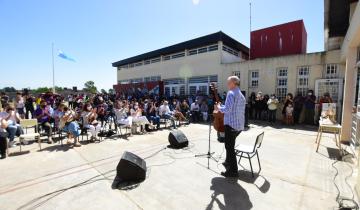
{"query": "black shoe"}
pixel 228 174
pixel 3 156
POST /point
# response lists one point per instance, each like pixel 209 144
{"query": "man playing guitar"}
pixel 234 115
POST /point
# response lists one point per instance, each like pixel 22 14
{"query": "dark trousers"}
pixel 297 112
pixel 3 143
pixel 195 116
pixel 272 115
pixel 230 137
pixel 47 127
pixel 28 112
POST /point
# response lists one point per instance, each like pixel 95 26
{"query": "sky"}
pixel 98 32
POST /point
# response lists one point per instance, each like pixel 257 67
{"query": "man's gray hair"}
pixel 235 79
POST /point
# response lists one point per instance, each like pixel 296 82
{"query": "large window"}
pixel 230 50
pixel 302 85
pixel 281 83
pixel 331 71
pixel 254 78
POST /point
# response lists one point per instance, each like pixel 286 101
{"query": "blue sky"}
pixel 99 32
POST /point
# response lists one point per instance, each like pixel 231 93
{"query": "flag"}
pixel 62 55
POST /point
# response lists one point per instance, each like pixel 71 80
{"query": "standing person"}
pixel 4 99
pixel 309 105
pixel 29 106
pixel 272 104
pixel 234 114
pixel 298 105
pixel 204 109
pixel 258 106
pixel 195 111
pixel 289 114
pixel 251 104
pixel 20 105
pixel 287 101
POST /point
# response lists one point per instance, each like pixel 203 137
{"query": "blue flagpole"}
pixel 53 66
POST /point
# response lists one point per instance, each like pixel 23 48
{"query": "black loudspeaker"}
pixel 177 139
pixel 131 168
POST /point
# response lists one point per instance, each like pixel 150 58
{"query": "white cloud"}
pixel 195 2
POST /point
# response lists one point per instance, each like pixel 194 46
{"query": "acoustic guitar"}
pixel 218 116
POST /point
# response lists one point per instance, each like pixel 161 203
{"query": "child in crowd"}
pixel 289 114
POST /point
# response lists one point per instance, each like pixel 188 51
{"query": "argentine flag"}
pixel 62 55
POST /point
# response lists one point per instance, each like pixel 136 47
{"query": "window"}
pixel 213 48
pixel 139 64
pixel 193 52
pixel 331 71
pixel 281 83
pixel 202 50
pixel 123 67
pixel 178 55
pixel 254 79
pixel 236 73
pixel 155 78
pixel 137 80
pixel 155 60
pixel 230 50
pixel 302 85
pixel 147 62
pixel 167 57
pixel 147 79
pixel 131 65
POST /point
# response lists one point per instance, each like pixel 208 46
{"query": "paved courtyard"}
pixel 293 175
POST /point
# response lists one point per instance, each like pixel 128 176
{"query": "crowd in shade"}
pixel 98 114
pixel 292 109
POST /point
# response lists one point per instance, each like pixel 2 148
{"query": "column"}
pixel 349 95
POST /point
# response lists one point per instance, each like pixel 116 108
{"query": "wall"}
pixel 285 39
pixel 268 66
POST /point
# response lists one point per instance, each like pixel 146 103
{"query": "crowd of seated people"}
pixel 95 113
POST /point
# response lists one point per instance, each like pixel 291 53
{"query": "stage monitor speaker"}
pixel 177 139
pixel 131 168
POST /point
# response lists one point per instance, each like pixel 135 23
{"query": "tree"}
pixel 42 90
pixel 111 91
pixel 9 89
pixel 90 87
pixel 103 91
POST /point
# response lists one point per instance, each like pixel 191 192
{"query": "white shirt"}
pixel 194 107
pixel 164 109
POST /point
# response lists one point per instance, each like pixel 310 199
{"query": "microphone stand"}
pixel 209 155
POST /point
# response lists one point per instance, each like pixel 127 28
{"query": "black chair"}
pixel 249 151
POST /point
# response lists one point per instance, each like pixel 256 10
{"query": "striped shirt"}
pixel 234 109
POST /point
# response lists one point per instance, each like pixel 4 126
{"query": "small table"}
pixel 325 126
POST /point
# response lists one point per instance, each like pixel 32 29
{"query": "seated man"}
pixel 13 128
pixel 43 115
pixel 195 111
pixel 164 112
pixel 3 135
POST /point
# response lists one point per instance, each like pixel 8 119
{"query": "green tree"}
pixel 9 89
pixel 90 86
pixel 42 90
pixel 103 91
pixel 111 91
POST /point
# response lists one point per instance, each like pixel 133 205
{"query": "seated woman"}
pixel 138 118
pixel 152 116
pixel 13 128
pixel 185 109
pixel 69 125
pixel 121 110
pixel 89 116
